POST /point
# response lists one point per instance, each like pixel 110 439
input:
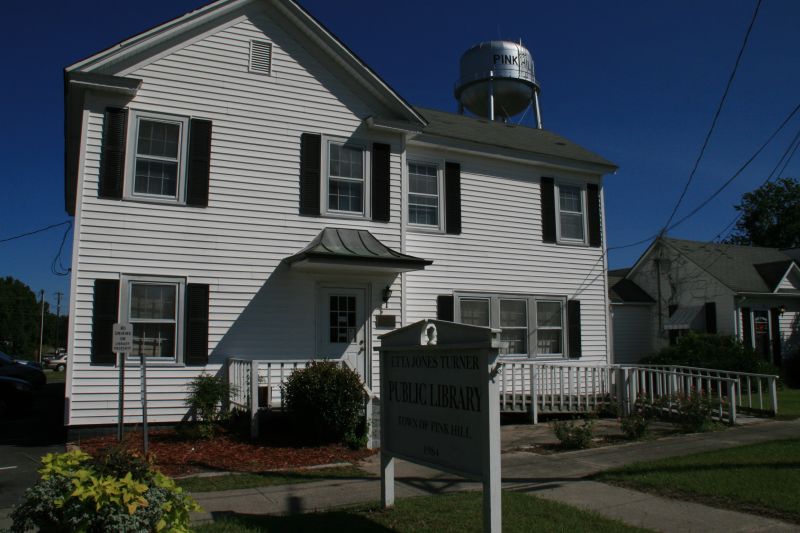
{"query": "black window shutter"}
pixel 747 337
pixel 310 173
pixel 574 327
pixel 199 163
pixel 381 186
pixel 444 307
pixel 104 316
pixel 775 317
pixel 196 332
pixel 593 212
pixel 452 198
pixel 711 317
pixel 112 158
pixel 548 210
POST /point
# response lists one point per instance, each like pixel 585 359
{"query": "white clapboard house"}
pixel 677 286
pixel 244 186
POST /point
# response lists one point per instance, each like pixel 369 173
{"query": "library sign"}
pixel 440 405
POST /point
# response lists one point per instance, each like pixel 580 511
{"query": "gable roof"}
pixel 740 268
pixel 487 133
pixel 145 44
pixel 621 290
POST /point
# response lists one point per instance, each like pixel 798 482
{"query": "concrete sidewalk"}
pixel 559 477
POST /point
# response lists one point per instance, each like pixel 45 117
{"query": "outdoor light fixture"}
pixel 387 293
pixel 782 309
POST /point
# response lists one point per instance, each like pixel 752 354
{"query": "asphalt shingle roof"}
pixel 622 290
pixel 740 268
pixel 510 136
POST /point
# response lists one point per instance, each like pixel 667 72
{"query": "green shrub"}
pixel 695 414
pixel 711 351
pixel 574 436
pixel 327 403
pixel 208 396
pixel 635 425
pixel 77 493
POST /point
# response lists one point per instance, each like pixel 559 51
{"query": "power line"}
pixel 34 232
pixel 736 174
pixel 56 267
pixel 716 117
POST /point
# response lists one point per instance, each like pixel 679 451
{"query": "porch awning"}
pixel 682 318
pixel 345 249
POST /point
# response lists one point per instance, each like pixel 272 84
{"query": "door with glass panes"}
pixel 341 327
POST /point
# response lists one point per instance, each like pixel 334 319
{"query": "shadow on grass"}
pixel 694 469
pixel 330 521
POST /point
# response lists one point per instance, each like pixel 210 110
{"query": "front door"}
pixel 761 333
pixel 341 328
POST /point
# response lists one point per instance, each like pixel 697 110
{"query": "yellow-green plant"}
pixel 79 493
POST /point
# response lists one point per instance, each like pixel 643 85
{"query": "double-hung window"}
pixel 346 183
pixel 530 326
pixel 424 192
pixel 153 307
pixel 571 219
pixel 159 155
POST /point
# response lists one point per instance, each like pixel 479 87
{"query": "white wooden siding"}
pixel 250 225
pixel 500 249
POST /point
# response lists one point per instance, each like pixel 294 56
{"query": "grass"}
pixel 250 480
pixel 55 377
pixel 461 512
pixel 760 478
pixel 788 403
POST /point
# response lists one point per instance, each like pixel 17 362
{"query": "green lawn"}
pixel 788 403
pixel 55 377
pixel 443 513
pixel 761 478
pixel 248 480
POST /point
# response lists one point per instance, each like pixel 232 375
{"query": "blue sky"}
pixel 637 82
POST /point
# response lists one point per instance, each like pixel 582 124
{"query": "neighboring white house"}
pixel 244 186
pixel 746 291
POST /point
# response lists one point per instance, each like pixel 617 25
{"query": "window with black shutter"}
pixel 444 307
pixel 548 209
pixel 452 198
pixel 574 327
pixel 381 182
pixel 105 308
pixel 196 331
pixel 169 159
pixel 310 173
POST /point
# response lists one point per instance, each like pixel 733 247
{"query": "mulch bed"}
pixel 177 456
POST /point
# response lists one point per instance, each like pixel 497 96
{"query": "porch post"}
pixel 254 399
pixel 534 396
pixel 732 403
pixel 773 394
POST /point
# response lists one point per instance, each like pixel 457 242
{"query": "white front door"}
pixel 341 327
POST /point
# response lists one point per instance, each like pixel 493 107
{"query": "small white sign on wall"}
pixel 440 405
pixel 123 338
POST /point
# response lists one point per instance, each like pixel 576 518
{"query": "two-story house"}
pixel 244 186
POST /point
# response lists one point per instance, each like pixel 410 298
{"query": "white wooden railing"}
pixel 266 392
pixel 754 392
pixel 549 388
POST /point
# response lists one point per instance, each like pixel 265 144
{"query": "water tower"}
pixel 497 81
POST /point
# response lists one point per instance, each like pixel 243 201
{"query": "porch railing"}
pixel 754 392
pixel 549 388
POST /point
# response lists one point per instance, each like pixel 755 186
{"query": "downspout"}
pixel 658 295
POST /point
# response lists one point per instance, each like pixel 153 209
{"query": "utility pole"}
pixel 41 328
pixel 59 294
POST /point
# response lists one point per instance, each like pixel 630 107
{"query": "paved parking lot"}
pixel 25 437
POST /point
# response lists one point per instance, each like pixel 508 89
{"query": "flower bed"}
pixel 177 456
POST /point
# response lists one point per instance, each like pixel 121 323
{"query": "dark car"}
pixel 11 369
pixel 15 395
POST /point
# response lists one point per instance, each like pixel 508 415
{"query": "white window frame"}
pixel 439 164
pixel 366 211
pixel 531 310
pixel 584 218
pixel 134 117
pixel 126 287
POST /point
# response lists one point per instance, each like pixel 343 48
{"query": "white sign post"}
pixel 440 406
pixel 122 344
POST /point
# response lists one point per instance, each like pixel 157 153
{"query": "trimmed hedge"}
pixel 711 351
pixel 327 403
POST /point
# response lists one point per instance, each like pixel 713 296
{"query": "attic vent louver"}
pixel 260 57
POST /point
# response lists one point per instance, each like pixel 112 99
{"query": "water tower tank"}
pixel 497 80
